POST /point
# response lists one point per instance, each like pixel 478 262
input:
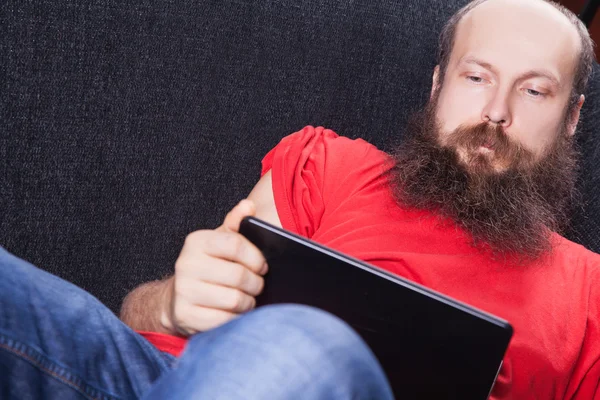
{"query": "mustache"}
pixel 493 137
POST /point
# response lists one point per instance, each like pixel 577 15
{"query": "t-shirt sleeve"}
pixel 313 169
pixel 585 380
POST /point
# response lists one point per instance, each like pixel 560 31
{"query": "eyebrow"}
pixel 535 73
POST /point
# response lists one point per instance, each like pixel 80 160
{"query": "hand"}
pixel 217 276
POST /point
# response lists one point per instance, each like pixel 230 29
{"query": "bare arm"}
pixel 143 307
pixel 147 306
pixel 262 197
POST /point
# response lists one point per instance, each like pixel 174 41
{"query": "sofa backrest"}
pixel 127 125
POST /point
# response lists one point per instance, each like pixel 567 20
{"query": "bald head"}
pixel 537 13
pixel 543 16
pixel 519 35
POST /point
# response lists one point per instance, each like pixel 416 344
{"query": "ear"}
pixel 435 84
pixel 574 117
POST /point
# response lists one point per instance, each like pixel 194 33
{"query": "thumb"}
pixel 234 218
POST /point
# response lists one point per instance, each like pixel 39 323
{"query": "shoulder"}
pixel 315 169
pixel 322 151
pixel 318 138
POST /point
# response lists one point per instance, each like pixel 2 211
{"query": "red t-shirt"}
pixel 334 190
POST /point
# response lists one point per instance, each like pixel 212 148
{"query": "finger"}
pixel 202 319
pixel 234 247
pixel 202 247
pixel 220 272
pixel 209 295
pixel 233 219
pixel 230 274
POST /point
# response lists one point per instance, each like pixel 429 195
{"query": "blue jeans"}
pixel 59 342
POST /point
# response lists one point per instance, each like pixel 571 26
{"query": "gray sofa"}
pixel 126 125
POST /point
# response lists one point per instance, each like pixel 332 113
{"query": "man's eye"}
pixel 475 79
pixel 534 93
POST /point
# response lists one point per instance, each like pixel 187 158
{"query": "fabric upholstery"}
pixel 128 124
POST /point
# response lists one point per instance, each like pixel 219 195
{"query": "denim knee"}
pixel 303 329
pixel 297 330
pixel 301 351
pixel 32 290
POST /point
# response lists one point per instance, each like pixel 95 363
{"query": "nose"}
pixel 497 110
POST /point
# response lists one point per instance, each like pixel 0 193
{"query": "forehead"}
pixel 519 35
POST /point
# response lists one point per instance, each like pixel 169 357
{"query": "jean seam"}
pixel 46 365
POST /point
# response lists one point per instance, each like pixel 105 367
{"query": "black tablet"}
pixel 430 345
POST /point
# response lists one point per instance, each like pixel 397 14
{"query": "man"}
pixel 468 205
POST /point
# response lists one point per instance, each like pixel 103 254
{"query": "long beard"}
pixel 508 202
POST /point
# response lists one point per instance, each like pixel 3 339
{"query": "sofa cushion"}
pixel 127 125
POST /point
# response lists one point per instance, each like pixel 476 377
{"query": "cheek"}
pixel 458 107
pixel 537 129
